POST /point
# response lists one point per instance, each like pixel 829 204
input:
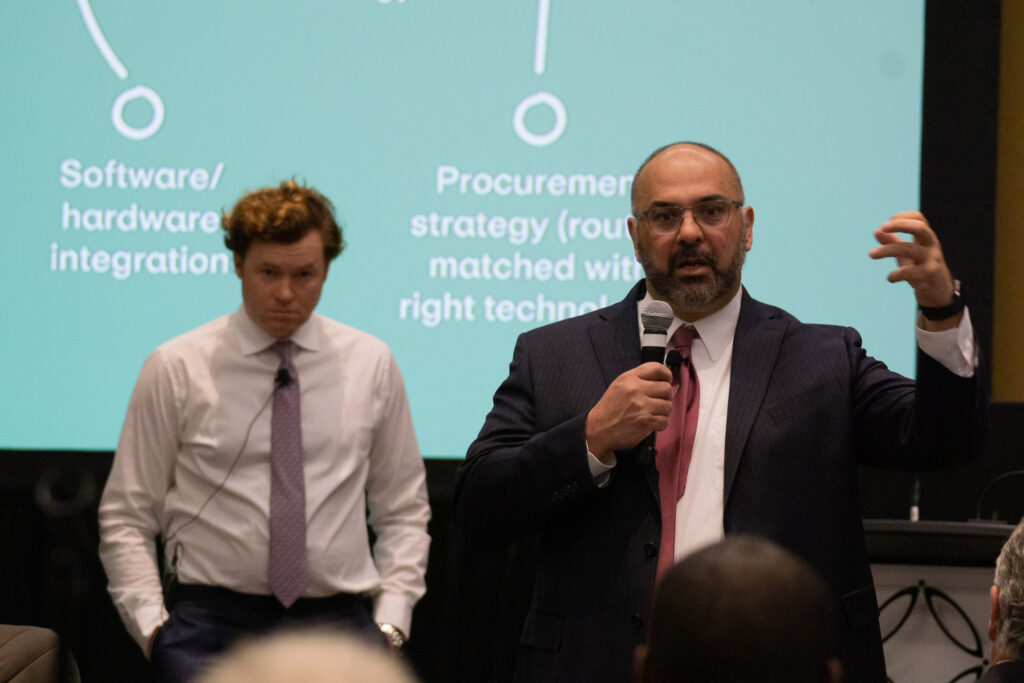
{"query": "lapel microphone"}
pixel 282 378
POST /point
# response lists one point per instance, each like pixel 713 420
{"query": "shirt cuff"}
pixel 148 620
pixel 394 609
pixel 598 470
pixel 954 349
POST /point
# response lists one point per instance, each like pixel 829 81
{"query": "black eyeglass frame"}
pixel 723 201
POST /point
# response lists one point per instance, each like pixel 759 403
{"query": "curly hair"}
pixel 283 214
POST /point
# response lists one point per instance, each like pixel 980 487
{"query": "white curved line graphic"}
pixel 540 48
pixel 101 43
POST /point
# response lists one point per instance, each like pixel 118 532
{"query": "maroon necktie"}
pixel 286 568
pixel 674 445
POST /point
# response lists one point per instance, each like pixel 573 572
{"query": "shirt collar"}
pixel 716 331
pixel 253 339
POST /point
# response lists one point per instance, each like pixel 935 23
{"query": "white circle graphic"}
pixel 117 113
pixel 527 103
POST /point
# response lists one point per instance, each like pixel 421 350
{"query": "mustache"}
pixel 693 256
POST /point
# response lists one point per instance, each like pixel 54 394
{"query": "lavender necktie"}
pixel 674 445
pixel 287 569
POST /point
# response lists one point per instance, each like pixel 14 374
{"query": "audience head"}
pixel 741 611
pixel 1006 623
pixel 307 657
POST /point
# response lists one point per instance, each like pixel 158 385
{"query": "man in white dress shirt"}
pixel 192 467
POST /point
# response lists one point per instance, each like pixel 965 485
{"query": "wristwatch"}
pixel 947 311
pixel 396 639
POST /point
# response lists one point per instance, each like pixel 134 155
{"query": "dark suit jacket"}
pixel 806 406
pixel 1005 672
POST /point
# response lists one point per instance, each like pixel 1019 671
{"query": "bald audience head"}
pixel 740 611
pixel 307 657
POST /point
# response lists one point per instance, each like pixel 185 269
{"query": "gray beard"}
pixel 693 293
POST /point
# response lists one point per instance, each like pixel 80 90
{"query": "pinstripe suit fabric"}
pixel 806 407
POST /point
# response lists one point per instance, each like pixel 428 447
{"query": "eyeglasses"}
pixel 709 214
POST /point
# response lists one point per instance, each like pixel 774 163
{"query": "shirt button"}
pixel 650 549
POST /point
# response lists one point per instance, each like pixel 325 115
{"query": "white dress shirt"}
pixel 193 463
pixel 699 512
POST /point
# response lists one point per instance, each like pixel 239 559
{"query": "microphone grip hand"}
pixel 633 406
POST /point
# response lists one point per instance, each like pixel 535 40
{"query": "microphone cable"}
pixel 170 578
pixel 988 487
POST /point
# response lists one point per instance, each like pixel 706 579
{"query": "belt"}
pixel 192 592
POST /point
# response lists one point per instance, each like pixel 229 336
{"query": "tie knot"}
pixel 284 350
pixel 682 339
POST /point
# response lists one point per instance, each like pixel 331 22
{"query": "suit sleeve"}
pixel 935 422
pixel 530 458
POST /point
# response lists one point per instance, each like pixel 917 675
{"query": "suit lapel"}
pixel 759 333
pixel 615 336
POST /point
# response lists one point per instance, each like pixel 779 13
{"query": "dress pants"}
pixel 206 620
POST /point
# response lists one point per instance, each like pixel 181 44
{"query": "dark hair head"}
pixel 738 611
pixel 283 214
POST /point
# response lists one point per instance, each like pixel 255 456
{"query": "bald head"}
pixel 307 657
pixel 676 148
pixel 741 610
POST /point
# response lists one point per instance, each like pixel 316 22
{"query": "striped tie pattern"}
pixel 287 569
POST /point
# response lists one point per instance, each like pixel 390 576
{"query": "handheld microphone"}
pixel 656 317
pixel 282 378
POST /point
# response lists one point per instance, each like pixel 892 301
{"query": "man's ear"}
pixel 632 227
pixel 993 618
pixel 748 222
pixel 238 265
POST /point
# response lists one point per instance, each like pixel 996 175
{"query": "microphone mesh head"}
pixel 656 317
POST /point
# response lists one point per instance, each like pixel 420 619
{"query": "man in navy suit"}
pixel 787 412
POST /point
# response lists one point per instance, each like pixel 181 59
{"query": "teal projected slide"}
pixel 479 154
